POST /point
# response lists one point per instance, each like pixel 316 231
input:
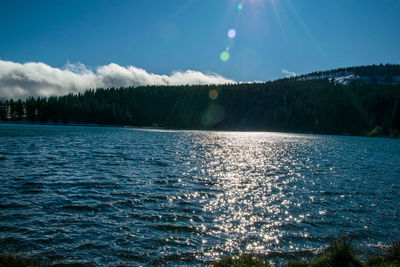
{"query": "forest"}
pixel 317 105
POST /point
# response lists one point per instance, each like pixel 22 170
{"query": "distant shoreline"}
pixel 317 105
pixel 24 122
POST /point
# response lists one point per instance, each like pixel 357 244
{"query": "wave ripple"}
pixel 126 196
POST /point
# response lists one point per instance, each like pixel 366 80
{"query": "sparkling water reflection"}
pixel 129 196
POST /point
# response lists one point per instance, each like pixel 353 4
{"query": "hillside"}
pixel 375 74
pixel 319 102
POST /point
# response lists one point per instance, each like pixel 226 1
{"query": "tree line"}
pixel 318 106
pixel 388 73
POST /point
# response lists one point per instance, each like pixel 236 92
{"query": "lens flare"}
pixel 213 94
pixel 240 7
pixel 213 115
pixel 232 33
pixel 225 56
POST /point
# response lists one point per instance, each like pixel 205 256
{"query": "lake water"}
pixel 109 196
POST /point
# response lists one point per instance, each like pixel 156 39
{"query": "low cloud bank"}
pixel 19 81
pixel 289 73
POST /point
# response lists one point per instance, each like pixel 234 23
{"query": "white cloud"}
pixel 288 73
pixel 39 79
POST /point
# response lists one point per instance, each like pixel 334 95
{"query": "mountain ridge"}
pixel 380 74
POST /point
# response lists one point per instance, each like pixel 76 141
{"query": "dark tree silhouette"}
pixel 308 103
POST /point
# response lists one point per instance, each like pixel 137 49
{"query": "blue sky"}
pixel 161 36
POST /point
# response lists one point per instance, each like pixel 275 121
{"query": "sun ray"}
pixel 279 21
pixel 306 29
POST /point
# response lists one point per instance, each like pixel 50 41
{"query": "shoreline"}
pixel 181 129
pixel 339 253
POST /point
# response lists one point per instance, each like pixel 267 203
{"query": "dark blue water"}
pixel 111 196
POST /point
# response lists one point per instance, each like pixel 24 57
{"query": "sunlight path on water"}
pixel 121 196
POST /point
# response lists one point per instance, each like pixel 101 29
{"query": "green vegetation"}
pixel 339 254
pixel 391 259
pixel 310 103
pixel 11 260
pixel 377 131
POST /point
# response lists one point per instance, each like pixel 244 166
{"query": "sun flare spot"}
pixel 225 56
pixel 213 94
pixel 232 33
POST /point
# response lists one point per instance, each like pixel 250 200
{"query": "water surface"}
pixel 111 196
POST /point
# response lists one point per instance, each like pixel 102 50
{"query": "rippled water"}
pixel 111 196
